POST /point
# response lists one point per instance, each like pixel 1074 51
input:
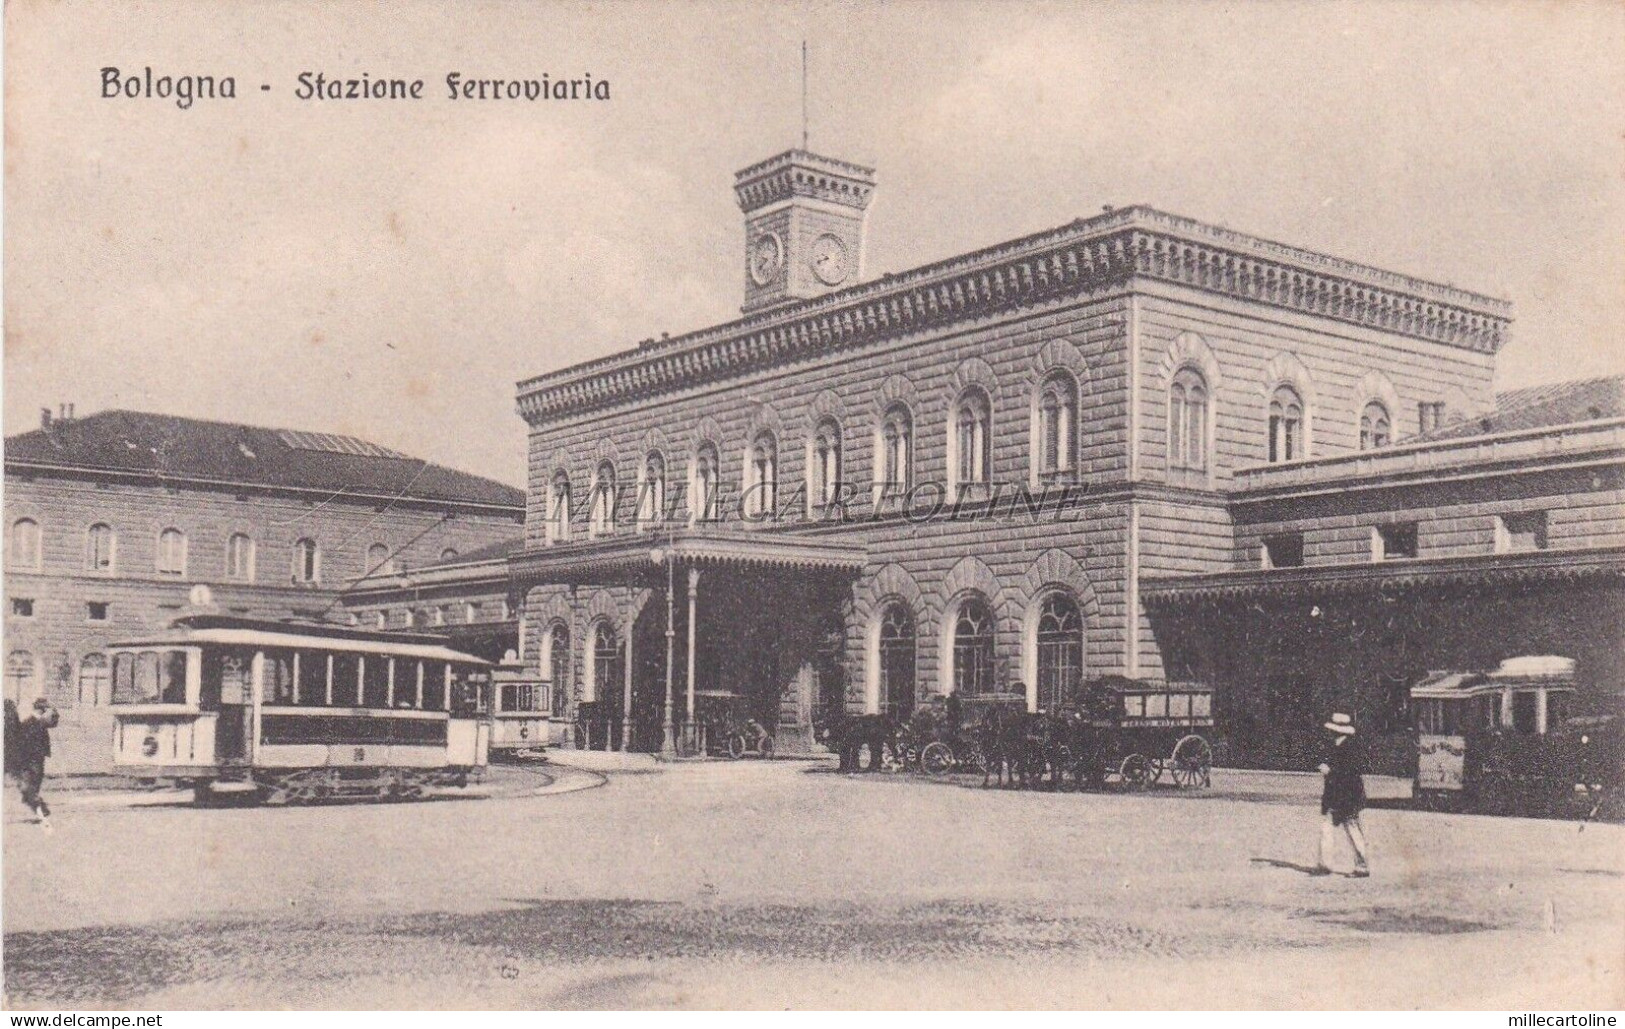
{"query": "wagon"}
pixel 1141 731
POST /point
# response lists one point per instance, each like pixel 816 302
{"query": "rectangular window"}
pixel 1429 415
pixel 1520 532
pixel 1283 551
pixel 346 680
pixel 1393 542
pixel 375 681
pixel 22 607
pixel 278 687
pixel 96 610
pixel 311 676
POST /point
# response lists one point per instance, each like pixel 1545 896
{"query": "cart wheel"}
pixel 1192 762
pixel 937 758
pixel 736 745
pixel 1135 771
pixel 764 747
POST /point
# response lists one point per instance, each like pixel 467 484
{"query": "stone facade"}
pixel 1114 309
pixel 62 613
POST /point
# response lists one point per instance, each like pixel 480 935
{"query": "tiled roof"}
pixel 166 446
pixel 500 550
pixel 1535 407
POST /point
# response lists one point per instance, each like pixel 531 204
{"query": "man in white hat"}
pixel 1342 798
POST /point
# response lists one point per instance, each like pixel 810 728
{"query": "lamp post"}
pixel 668 731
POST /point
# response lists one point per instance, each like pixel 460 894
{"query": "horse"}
pixel 847 734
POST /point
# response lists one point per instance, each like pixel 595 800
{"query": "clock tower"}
pixel 803 226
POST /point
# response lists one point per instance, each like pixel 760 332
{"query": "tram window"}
pixel 124 679
pixel 1429 717
pixel 346 670
pixel 1201 705
pixel 518 696
pixel 278 687
pixel 407 675
pixel 1524 703
pixel 434 686
pixel 1179 705
pixel 1134 705
pixel 172 677
pixel 1156 705
pixel 311 690
pixel 469 691
pixel 146 677
pixel 1557 709
pixel 374 681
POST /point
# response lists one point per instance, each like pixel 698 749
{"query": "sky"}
pixel 391 270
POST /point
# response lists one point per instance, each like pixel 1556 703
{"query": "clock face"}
pixel 828 260
pixel 766 256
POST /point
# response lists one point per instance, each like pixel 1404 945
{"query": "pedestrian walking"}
pixel 33 747
pixel 1342 797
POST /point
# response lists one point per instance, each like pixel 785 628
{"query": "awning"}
pixel 637 558
pixel 1602 564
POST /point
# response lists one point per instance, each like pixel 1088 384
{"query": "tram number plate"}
pixel 360 754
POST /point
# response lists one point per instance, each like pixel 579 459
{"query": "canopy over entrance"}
pixel 639 560
pixel 754 624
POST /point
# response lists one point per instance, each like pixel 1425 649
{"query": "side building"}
pixel 975 477
pixel 120 521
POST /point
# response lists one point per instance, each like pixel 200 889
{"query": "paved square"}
pixel 787 885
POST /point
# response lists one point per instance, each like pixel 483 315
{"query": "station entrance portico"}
pixel 678 629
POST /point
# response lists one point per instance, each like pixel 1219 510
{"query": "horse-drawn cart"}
pixel 1140 731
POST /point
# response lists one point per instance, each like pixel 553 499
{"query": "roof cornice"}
pixel 1082 258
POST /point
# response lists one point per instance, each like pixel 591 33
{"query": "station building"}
pixel 119 522
pixel 1134 445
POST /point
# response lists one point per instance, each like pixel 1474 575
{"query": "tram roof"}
pixel 1533 671
pixel 222 629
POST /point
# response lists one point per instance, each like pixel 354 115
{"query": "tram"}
pixel 1506 741
pixel 521 710
pixel 288 711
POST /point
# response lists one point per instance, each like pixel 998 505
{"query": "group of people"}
pixel 28 744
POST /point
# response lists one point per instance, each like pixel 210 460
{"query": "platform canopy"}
pixel 1315 582
pixel 630 559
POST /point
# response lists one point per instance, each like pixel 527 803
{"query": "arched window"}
pixel 172 552
pixel 1057 427
pixel 95 681
pixel 762 468
pixel 99 543
pixel 826 462
pixel 25 544
pixel 381 619
pixel 378 561
pixel 22 679
pixel 1376 429
pixel 601 518
pixel 240 558
pixel 606 662
pixel 556 666
pixel 895 467
pixel 973 648
pixel 558 508
pixel 448 554
pixel 707 504
pixel 972 465
pixel 1060 651
pixel 1187 420
pixel 897 696
pixel 1286 425
pixel 652 494
pixel 307 561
